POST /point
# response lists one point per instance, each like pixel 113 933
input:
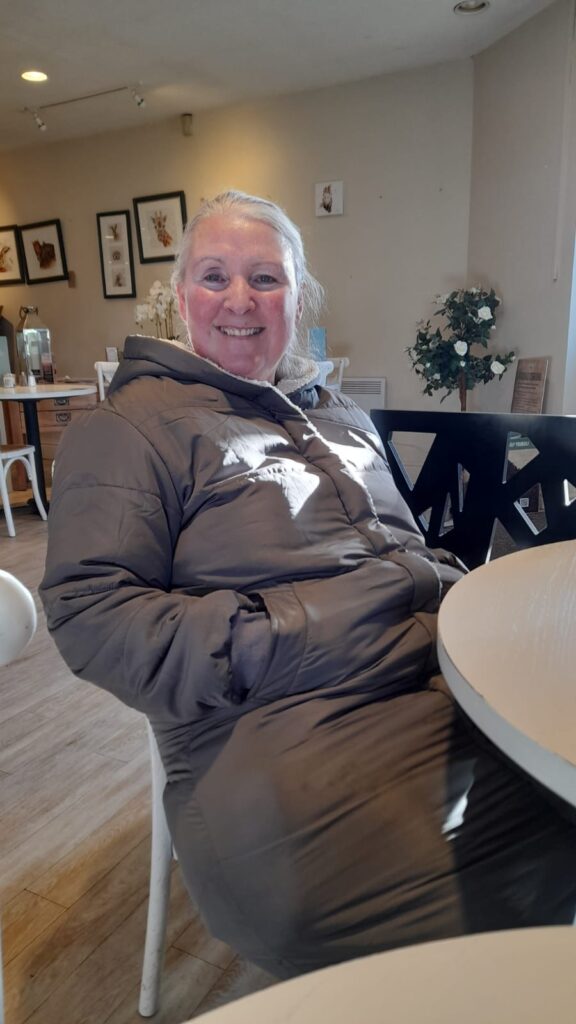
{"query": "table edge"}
pixel 554 772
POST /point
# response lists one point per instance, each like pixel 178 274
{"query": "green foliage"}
pixel 443 357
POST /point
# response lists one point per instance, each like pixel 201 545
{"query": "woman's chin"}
pixel 247 369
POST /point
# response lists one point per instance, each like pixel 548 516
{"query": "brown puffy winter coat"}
pixel 235 562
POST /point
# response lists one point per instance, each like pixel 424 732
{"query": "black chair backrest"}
pixel 468 483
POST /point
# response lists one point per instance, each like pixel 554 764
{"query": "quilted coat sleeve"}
pixel 114 521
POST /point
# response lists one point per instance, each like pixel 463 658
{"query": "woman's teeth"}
pixel 240 332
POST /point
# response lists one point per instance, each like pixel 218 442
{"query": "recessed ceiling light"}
pixel 34 76
pixel 471 6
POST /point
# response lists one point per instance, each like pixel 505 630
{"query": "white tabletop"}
pixel 62 390
pixel 507 648
pixel 514 977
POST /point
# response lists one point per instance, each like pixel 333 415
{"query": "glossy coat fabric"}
pixel 232 558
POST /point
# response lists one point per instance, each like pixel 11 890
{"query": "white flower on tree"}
pixel 497 367
pixel 461 347
pixel 484 313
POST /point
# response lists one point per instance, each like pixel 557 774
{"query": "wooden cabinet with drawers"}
pixel 54 415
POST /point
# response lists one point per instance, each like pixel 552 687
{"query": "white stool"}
pixel 10 453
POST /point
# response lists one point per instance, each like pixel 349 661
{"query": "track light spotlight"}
pixel 40 124
pixel 138 100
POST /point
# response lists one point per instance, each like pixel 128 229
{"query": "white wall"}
pixel 523 195
pixel 401 144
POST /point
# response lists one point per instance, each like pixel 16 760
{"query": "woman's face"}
pixel 239 298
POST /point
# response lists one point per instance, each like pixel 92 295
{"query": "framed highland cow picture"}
pixel 160 222
pixel 43 249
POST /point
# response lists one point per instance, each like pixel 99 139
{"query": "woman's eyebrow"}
pixel 208 259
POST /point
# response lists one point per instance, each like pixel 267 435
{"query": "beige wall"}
pixel 401 144
pixel 523 202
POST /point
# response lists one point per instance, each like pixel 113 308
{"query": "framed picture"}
pixel 329 198
pixel 11 268
pixel 116 260
pixel 43 248
pixel 160 222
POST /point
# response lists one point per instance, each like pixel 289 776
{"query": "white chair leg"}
pixel 31 471
pixel 159 894
pixel 6 500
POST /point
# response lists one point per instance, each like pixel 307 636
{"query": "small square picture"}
pixel 329 198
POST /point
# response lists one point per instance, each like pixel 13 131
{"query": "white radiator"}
pixel 368 392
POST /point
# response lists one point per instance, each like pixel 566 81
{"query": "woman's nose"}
pixel 239 297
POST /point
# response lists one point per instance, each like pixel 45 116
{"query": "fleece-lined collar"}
pixel 143 355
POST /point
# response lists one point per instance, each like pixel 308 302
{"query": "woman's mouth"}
pixel 239 332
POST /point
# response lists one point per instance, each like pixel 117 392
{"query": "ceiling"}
pixel 190 55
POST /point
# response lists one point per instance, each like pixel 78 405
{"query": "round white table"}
pixel 513 977
pixel 507 648
pixel 29 398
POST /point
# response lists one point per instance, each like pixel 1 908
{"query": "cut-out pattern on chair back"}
pixel 470 483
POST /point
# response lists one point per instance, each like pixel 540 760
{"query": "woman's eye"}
pixel 265 279
pixel 214 277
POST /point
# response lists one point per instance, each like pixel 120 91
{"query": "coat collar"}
pixel 152 357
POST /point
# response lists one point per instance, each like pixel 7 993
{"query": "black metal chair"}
pixel 468 484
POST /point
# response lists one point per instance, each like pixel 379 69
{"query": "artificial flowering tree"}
pixel 444 356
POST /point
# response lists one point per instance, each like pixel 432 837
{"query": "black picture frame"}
pixel 160 222
pixel 116 256
pixel 11 262
pixel 43 251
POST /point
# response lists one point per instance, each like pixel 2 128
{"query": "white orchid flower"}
pixel 484 313
pixel 461 348
pixel 497 367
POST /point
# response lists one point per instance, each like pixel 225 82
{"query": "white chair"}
pixel 24 453
pixel 325 368
pixel 17 625
pixel 334 379
pixel 159 890
pixel 104 373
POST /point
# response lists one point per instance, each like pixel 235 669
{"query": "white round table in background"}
pixel 507 648
pixel 515 977
pixel 29 397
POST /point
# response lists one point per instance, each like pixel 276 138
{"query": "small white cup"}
pixel 31 380
pixel 9 380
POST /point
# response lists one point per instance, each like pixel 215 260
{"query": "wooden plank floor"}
pixel 74 846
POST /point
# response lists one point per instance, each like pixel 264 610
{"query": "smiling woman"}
pixel 228 553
